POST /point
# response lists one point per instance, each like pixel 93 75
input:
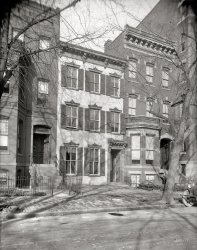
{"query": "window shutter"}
pixel 91 81
pixel 63 75
pixel 122 123
pixel 87 81
pixel 86 162
pixel 87 119
pixel 80 79
pixel 108 122
pixel 122 88
pixel 63 116
pixel 102 84
pixel 109 86
pixel 102 124
pixel 62 160
pixel 102 162
pixel 80 118
pixel 80 161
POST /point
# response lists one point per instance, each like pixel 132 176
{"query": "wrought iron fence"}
pixel 26 186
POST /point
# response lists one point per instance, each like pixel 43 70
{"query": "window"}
pixel 20 136
pixel 135 149
pixel 133 69
pixel 43 87
pixel 149 107
pixel 71 160
pixel 149 73
pixel 95 84
pixel 165 110
pixel 116 86
pixel 165 78
pixel 149 149
pixel 72 74
pixel 71 116
pixel 115 122
pixel 94 119
pixel 94 161
pixel 150 177
pixel 132 106
pixel 44 44
pixel 135 180
pixel 3 134
pixel 15 33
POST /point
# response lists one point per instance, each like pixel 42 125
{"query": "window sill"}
pixel 71 88
pixel 4 152
pixel 117 97
pixel 94 175
pixel 96 93
pixel 71 128
pixel 116 133
pixel 94 131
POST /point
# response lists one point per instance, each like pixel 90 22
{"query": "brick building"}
pixel 28 105
pixel 149 80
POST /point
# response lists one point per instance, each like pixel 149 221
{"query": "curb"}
pixel 13 215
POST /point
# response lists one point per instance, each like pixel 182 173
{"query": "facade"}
pixel 28 106
pixel 180 26
pixel 149 89
pixel 90 122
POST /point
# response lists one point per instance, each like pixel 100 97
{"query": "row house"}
pixel 90 118
pixel 149 89
pixel 28 105
pixel 176 21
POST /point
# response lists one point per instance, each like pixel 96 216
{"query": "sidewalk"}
pixel 92 199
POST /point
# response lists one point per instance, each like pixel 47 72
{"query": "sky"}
pixel 92 22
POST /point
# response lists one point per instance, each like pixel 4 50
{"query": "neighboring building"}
pixel 28 106
pixel 149 81
pixel 90 122
pixel 176 20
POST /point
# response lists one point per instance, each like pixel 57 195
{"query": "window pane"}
pixel 44 44
pixel 73 163
pixel 3 140
pixel 96 168
pixel 150 142
pixel 149 155
pixel 135 155
pixel 135 142
pixel 4 127
pixel 43 87
pixel 96 77
pixel 91 168
pixel 74 112
pixel 96 154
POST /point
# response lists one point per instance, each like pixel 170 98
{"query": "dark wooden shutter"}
pixel 108 86
pixel 87 81
pixel 63 76
pixel 80 118
pixel 102 162
pixel 62 160
pixel 87 119
pixel 102 124
pixel 80 79
pixel 80 161
pixel 86 161
pixel 122 123
pixel 91 81
pixel 108 122
pixel 63 116
pixel 122 88
pixel 102 84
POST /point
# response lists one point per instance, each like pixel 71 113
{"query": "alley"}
pixel 147 229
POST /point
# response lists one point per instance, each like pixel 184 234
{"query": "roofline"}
pixel 104 56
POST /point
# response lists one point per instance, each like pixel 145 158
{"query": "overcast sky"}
pixel 101 19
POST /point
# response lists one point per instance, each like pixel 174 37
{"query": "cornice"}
pixel 92 54
pixel 147 40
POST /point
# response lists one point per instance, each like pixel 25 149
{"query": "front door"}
pixel 115 166
pixel 41 148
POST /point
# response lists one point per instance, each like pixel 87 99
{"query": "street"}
pixel 174 228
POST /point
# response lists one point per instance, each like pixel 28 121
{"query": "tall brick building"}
pixel 28 105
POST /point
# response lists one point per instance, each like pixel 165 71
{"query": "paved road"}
pixel 174 229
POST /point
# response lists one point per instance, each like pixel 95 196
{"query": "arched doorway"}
pixel 165 149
